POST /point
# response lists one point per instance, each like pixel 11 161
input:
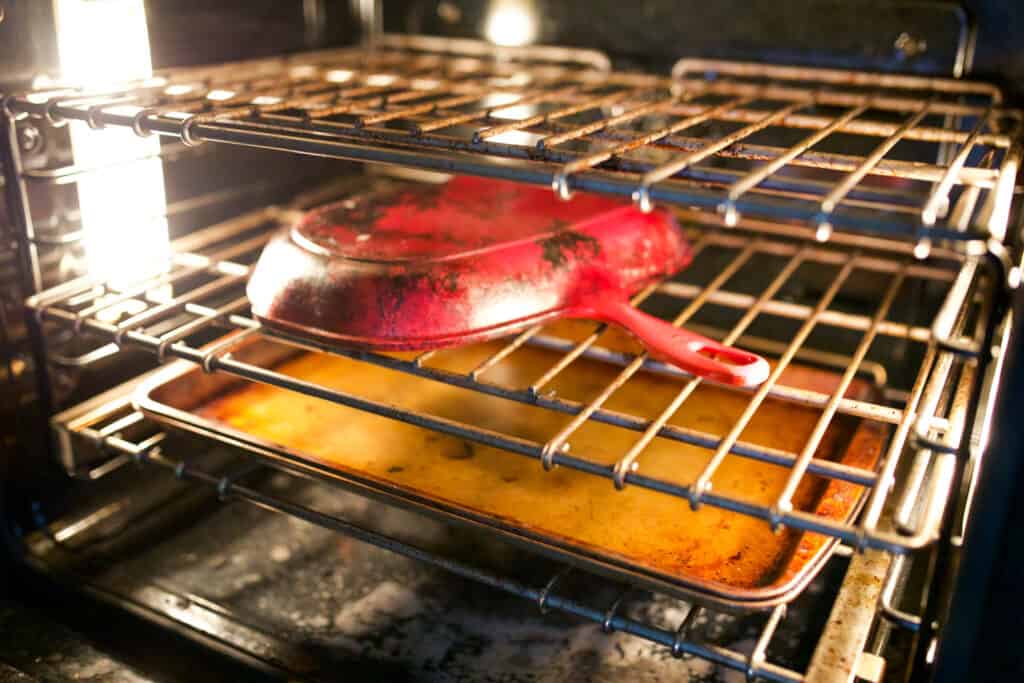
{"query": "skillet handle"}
pixel 690 351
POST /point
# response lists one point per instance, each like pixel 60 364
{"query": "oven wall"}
pixel 182 32
pixel 189 32
pixel 866 34
pixel 999 55
pixel 984 615
pixel 863 33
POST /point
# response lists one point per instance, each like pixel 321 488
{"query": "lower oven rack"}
pixel 110 425
pixel 927 428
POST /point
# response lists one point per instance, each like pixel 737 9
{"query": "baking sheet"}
pixel 640 535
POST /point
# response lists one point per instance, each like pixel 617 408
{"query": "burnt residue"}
pixel 423 197
pixel 359 214
pixel 388 617
pixel 406 282
pixel 392 297
pixel 557 249
pixel 449 281
pixel 498 194
pixel 464 451
pixel 363 213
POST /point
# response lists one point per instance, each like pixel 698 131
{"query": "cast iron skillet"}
pixel 430 266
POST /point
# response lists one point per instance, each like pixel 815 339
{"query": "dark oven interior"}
pixel 846 172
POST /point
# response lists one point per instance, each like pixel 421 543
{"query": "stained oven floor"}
pixel 60 636
pixel 313 604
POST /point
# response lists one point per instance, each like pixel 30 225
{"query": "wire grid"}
pixel 208 297
pixel 126 436
pixel 922 158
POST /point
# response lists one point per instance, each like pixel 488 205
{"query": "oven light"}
pixel 123 204
pixel 511 22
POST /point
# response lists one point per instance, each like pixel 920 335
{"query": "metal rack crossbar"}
pixel 126 437
pixel 867 159
pixel 208 296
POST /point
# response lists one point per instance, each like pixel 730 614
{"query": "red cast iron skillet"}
pixel 430 266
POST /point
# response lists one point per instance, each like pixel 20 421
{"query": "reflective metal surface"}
pixel 296 592
pixel 557 117
pixel 166 327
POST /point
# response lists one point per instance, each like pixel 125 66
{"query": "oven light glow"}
pixel 338 75
pixel 43 81
pixel 518 79
pixel 424 84
pixel 40 97
pixel 303 71
pixel 380 80
pixel 174 90
pixel 516 137
pixel 220 95
pixel 125 236
pixel 499 99
pixel 515 112
pixel 511 22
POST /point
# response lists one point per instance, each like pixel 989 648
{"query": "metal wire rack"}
pixel 708 136
pixel 210 268
pixel 126 437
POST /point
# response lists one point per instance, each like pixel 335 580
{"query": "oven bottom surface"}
pixel 290 597
pixel 44 641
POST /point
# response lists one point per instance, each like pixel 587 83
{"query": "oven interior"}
pixel 864 225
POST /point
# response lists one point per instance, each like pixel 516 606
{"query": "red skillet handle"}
pixel 702 356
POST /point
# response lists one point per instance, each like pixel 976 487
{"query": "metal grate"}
pixel 921 158
pixel 210 269
pixel 125 435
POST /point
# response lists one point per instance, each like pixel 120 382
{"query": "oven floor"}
pixel 313 604
pixel 40 644
pixel 35 648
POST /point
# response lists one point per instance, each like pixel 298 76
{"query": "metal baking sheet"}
pixel 644 537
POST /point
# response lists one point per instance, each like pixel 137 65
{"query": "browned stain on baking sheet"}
pixel 657 532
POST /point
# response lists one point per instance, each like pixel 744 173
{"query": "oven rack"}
pixel 927 429
pixel 903 567
pixel 112 427
pixel 561 118
pixel 52 238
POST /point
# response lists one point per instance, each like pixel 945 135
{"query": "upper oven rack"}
pixel 706 137
pixel 929 425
